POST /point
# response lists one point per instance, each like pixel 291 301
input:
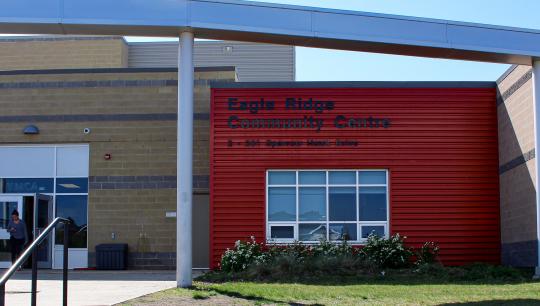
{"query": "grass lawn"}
pixel 372 292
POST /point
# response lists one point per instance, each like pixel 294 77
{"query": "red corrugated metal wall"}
pixel 440 150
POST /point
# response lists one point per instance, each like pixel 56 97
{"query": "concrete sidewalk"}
pixel 87 288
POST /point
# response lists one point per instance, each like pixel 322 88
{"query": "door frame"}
pixel 78 256
pixel 50 211
pixel 11 198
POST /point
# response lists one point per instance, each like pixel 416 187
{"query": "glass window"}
pixel 312 232
pixel 282 232
pixel 312 178
pixel 27 185
pixel 312 203
pixel 342 178
pixel 345 231
pixel 72 161
pixel 372 229
pixel 282 204
pixel 281 178
pixel 71 185
pixel 334 205
pixel 6 208
pixel 342 203
pixel 372 177
pixel 74 208
pixel 372 204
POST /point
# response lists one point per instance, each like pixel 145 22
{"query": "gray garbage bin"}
pixel 111 256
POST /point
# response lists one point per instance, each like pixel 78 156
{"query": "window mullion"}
pixel 297 204
pixel 327 207
pixel 358 228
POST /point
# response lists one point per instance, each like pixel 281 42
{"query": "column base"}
pixel 536 273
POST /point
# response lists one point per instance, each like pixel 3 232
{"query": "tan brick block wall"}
pixel 513 77
pixel 63 53
pixel 138 148
pixel 136 217
pixel 516 137
pixel 516 129
pixel 518 212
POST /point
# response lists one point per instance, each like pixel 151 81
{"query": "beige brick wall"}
pixel 63 53
pixel 138 148
pixel 516 138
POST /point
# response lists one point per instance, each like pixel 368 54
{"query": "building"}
pixel 423 157
pixel 335 161
pixel 106 148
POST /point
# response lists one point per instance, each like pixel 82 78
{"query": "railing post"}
pixel 2 295
pixel 34 276
pixel 65 264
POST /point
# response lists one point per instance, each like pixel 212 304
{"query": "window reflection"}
pixel 282 204
pixel 72 185
pixel 343 232
pixel 312 232
pixel 312 204
pixel 74 208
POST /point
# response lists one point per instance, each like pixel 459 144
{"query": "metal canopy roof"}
pixel 274 23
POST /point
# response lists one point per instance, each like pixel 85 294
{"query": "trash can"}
pixel 111 256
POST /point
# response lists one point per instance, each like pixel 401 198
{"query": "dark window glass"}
pixel 345 231
pixel 283 232
pixel 342 203
pixel 27 185
pixel 74 208
pixel 282 204
pixel 372 206
pixel 71 185
pixel 312 204
pixel 375 230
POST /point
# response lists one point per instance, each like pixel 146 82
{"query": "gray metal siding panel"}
pixel 253 62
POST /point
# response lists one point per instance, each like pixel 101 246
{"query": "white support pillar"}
pixel 184 161
pixel 536 108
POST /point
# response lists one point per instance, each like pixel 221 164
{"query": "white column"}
pixel 184 160
pixel 536 103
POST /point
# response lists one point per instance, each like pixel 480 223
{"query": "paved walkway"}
pixel 87 288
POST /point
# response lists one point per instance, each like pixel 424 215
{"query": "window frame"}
pixel 327 223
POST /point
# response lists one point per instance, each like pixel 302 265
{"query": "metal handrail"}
pixel 32 250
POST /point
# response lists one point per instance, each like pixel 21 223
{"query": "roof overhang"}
pixel 274 23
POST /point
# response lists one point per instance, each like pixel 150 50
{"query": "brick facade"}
pixel 517 168
pixel 63 52
pixel 132 116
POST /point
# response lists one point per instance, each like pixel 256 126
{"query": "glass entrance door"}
pixel 7 205
pixel 43 216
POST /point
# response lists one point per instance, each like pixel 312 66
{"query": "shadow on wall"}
pixel 517 202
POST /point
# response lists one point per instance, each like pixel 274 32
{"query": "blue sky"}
pixel 332 65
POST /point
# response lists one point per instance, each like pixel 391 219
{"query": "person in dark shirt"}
pixel 18 236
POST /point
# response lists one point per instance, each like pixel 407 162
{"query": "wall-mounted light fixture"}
pixel 31 130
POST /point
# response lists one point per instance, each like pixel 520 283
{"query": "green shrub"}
pixel 243 255
pixel 427 254
pixel 296 262
pixel 327 248
pixel 295 250
pixel 483 271
pixel 387 253
pixel 432 269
